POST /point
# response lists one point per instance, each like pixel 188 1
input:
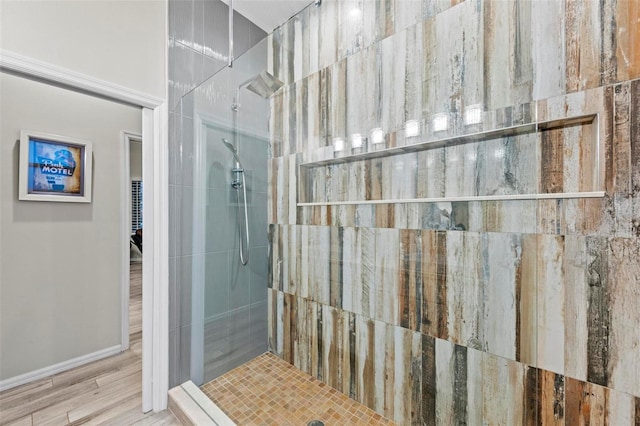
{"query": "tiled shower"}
pixel 453 194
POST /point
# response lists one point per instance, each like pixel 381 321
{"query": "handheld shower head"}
pixel 233 150
pixel 230 146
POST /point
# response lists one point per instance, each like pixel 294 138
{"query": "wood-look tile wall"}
pixel 501 312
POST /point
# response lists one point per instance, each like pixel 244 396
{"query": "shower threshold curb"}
pixel 192 407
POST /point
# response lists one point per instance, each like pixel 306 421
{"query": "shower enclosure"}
pixel 229 263
pixel 450 215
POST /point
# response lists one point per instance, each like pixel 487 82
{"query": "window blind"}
pixel 136 205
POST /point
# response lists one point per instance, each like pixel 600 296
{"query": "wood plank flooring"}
pixel 105 392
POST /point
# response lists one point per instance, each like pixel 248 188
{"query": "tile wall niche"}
pixel 461 312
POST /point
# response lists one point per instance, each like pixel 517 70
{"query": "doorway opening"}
pixel 155 277
pixel 132 244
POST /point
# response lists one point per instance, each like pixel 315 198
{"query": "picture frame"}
pixel 54 168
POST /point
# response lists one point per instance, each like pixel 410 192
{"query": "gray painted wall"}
pixel 135 160
pixel 122 41
pixel 61 265
pixel 47 318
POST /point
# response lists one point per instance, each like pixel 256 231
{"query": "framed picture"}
pixel 54 168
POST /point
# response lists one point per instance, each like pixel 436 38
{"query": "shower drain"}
pixel 315 423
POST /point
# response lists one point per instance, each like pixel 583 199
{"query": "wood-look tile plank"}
pixel 57 420
pixel 54 397
pixel 136 346
pixel 23 390
pixel 106 398
pixel 163 418
pixel 112 390
pixel 93 370
pixel 24 421
pixel 120 374
pixel 124 413
pixel 128 413
pixel 16 396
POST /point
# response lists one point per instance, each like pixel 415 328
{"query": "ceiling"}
pixel 269 14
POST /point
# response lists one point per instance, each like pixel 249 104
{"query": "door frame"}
pixel 155 285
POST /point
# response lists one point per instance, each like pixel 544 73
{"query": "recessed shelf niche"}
pixel 540 160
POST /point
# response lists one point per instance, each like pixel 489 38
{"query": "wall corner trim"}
pixel 58 368
pixel 14 63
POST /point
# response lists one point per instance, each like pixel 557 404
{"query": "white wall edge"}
pixel 35 69
pixel 155 303
pixel 160 363
pixel 160 303
pixel 148 284
pixel 58 368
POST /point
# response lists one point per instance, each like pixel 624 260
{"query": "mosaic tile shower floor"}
pixel 270 391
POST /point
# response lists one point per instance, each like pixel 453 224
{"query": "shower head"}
pixel 233 150
pixel 230 146
pixel 263 85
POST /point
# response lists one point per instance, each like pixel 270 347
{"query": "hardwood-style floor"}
pixel 106 392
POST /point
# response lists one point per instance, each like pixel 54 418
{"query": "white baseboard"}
pixel 58 368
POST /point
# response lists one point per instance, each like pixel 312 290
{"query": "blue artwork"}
pixel 55 168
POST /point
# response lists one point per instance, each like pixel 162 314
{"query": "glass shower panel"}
pixel 229 277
